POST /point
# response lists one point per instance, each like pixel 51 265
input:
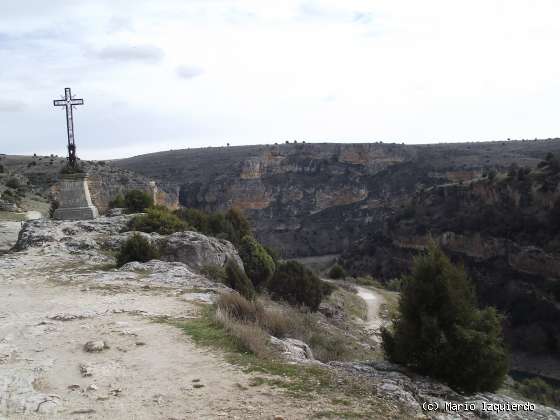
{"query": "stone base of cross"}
pixel 74 199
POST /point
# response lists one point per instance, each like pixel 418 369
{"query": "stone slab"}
pixel 76 213
pixel 74 200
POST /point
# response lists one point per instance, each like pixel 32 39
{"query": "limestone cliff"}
pixel 314 199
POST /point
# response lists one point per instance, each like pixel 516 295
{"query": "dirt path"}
pixel 9 230
pixel 373 301
pixel 377 309
pixel 54 302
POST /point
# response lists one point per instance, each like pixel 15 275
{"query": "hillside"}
pixel 84 337
pixel 33 181
pixel 315 199
pixel 378 203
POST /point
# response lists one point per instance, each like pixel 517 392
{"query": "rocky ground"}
pixel 82 339
pixel 59 295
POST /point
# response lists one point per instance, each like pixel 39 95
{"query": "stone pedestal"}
pixel 74 200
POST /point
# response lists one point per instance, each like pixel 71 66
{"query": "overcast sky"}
pixel 169 74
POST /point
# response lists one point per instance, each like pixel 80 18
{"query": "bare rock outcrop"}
pixel 294 350
pixel 184 253
pixel 197 250
pixel 416 392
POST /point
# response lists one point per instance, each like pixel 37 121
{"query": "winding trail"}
pixel 373 301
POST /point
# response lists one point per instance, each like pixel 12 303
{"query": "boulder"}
pixel 293 350
pixel 197 250
pixel 95 346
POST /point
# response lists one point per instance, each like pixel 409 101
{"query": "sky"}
pixel 172 74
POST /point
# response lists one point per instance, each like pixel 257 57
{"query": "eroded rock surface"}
pixel 392 382
pixel 60 291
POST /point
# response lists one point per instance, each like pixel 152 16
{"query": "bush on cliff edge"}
pixel 258 264
pixel 297 285
pixel 136 248
pixel 137 201
pixel 157 219
pixel 440 332
pixel 238 280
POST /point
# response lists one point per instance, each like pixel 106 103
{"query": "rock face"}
pixel 506 233
pixel 415 392
pixel 317 199
pixel 197 250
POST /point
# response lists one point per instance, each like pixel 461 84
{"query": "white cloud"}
pixel 143 53
pixel 186 72
pixel 7 105
pixel 356 70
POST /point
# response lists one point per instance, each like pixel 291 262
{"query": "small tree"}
pixel 297 285
pixel 259 265
pixel 238 280
pixel 440 331
pixel 337 272
pixel 137 201
pixel 239 223
pixel 13 183
pixel 136 248
pixel 195 218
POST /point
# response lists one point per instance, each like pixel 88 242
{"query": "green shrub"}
pixel 231 226
pixel 395 285
pixel 157 219
pixel 259 266
pixel 297 285
pixel 539 391
pixel 118 202
pixel 13 183
pixel 137 201
pixel 238 280
pixel 337 272
pixel 273 254
pixel 136 248
pixel 214 272
pixel 68 170
pixel 239 222
pixel 195 218
pixel 327 289
pixel 440 332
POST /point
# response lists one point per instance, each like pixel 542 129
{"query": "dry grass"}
pixel 248 336
pixel 276 322
pixel 238 308
pixel 250 323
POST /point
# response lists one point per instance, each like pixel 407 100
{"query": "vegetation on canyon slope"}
pixel 440 332
pixel 289 281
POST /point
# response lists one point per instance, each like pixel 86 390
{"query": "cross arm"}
pixel 59 102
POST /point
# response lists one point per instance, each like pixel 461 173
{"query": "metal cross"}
pixel 69 102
